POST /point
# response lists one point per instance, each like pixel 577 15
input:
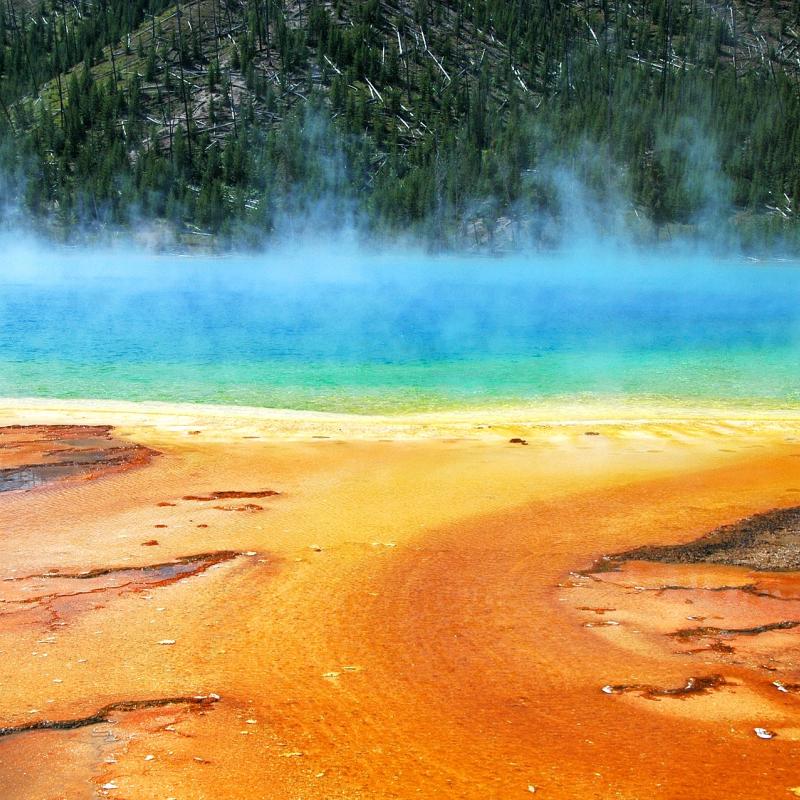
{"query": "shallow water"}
pixel 354 332
pixel 404 620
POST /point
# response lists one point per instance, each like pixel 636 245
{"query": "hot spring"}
pixel 368 333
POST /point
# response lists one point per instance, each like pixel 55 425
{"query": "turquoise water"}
pixel 351 331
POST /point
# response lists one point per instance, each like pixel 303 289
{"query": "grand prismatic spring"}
pixel 295 526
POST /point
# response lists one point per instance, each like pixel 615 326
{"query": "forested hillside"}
pixel 471 123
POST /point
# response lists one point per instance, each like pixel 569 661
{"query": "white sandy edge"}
pixel 490 422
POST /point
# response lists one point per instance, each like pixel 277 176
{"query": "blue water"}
pixel 354 331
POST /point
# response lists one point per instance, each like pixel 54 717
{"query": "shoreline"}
pixel 476 422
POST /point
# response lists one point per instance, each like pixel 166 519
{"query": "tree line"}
pixel 449 119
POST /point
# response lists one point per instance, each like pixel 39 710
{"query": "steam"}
pixel 335 325
pixel 570 200
pixel 579 297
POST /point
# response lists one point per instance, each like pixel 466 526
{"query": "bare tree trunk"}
pixel 183 83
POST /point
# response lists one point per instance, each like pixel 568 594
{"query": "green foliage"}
pixel 228 115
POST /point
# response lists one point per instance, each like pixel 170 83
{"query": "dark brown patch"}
pixel 693 686
pixel 768 541
pixel 232 495
pixel 105 714
pixel 716 646
pixel 517 440
pixel 54 597
pixel 150 574
pixel 247 507
pixel 150 543
pixel 33 455
pixel 710 631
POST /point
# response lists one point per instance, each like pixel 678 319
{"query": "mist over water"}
pixel 341 328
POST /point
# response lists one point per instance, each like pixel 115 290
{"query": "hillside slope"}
pixel 466 122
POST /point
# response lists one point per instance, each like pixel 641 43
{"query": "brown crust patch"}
pixel 55 597
pixel 768 542
pixel 35 455
pixel 693 686
pixel 232 495
pixel 106 712
pixel 709 630
pixel 181 567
